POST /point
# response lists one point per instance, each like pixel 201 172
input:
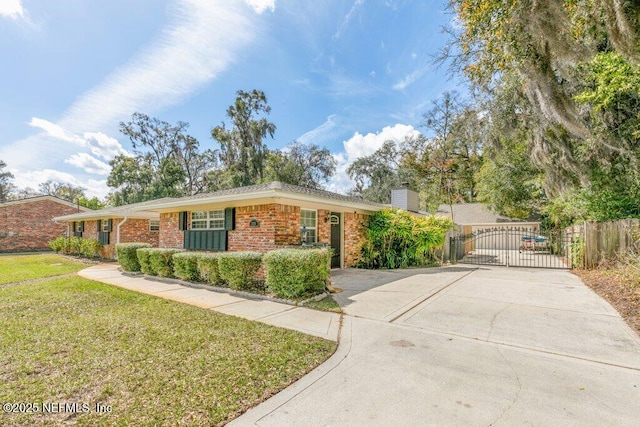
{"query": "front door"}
pixel 336 238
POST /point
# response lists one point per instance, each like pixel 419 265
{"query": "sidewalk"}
pixel 313 322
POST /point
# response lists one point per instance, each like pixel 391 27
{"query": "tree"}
pixel 167 162
pixel 300 164
pixel 6 187
pixel 575 65
pixel 242 150
pixel 447 163
pixel 377 174
pixel 63 191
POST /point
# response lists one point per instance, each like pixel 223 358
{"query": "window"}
pixel 105 226
pixel 207 220
pixel 308 223
pixel 154 225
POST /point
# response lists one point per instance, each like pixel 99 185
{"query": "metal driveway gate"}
pixel 512 247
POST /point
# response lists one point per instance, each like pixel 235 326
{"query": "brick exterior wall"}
pixel 137 230
pixel 355 226
pixel 279 227
pixel 170 234
pixel 133 230
pixel 29 226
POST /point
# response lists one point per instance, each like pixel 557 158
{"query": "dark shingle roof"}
pixel 273 186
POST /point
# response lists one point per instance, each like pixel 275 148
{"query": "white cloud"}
pixel 363 145
pixel 201 42
pixel 98 143
pixel 12 9
pixel 347 19
pixel 32 179
pixel 50 128
pixel 321 133
pixel 103 145
pixel 89 164
pixel 259 6
pixel 409 79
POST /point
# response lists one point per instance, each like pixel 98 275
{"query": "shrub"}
pixel 143 255
pixel 126 253
pixel 208 268
pixel 295 273
pixel 75 246
pixel 185 266
pixel 58 244
pixel 239 268
pixel 397 239
pixel 161 261
pixel 90 248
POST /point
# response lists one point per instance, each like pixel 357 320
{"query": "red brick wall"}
pixel 324 227
pixel 136 230
pixel 354 236
pixel 170 235
pixel 29 226
pixel 279 227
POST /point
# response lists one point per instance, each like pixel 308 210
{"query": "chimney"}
pixel 405 198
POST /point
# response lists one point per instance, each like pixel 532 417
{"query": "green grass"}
pixel 155 362
pixel 16 268
pixel 325 304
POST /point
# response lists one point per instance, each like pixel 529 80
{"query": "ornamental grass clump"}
pixel 239 269
pixel 297 273
pixel 127 256
pixel 397 239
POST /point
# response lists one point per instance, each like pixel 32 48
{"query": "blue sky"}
pixel 346 75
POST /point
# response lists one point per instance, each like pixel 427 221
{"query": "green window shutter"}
pixel 81 226
pixel 74 226
pixel 109 224
pixel 99 225
pixel 230 219
pixel 182 224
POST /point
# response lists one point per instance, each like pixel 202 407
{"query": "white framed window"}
pixel 308 225
pixel 154 225
pixel 105 225
pixel 207 220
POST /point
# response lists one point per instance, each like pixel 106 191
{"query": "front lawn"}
pixel 151 361
pixel 16 268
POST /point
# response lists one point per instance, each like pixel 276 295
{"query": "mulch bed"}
pixel 619 284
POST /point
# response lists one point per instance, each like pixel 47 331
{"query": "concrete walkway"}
pixel 313 322
pixel 468 346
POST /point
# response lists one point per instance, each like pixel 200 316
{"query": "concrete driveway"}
pixel 468 346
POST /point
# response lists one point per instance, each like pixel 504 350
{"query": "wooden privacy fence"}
pixel 602 241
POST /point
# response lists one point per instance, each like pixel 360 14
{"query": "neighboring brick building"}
pixel 120 224
pixel 28 224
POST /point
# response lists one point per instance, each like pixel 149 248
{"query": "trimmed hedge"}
pixel 185 266
pixel 144 259
pixel 161 260
pixel 296 273
pixel 239 269
pixel 127 257
pixel 207 264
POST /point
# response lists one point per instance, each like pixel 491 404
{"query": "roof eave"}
pixel 262 194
